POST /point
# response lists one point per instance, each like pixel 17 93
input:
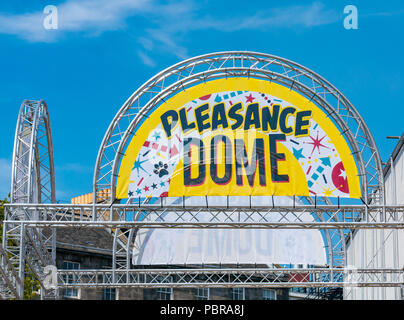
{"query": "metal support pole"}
pixel 21 265
pixel 396 253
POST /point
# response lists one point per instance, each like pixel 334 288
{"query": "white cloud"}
pixel 99 15
pixel 168 32
pixel 146 59
pixel 27 26
pixel 168 41
pixel 311 15
pixel 168 23
pixel 93 16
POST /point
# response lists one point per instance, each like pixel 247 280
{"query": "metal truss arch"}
pixel 33 173
pixel 248 65
pixel 240 64
pixel 33 211
pixel 32 181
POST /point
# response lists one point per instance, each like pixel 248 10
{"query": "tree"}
pixel 31 284
pixel 2 202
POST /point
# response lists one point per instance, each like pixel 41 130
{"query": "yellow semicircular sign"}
pixel 238 137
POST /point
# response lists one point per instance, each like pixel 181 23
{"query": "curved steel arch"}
pixel 244 64
pixel 33 173
pixel 32 181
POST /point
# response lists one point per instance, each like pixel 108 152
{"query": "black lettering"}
pixel 235 116
pixel 214 143
pixel 184 121
pixel 168 126
pixel 201 118
pixel 252 117
pixel 188 181
pixel 219 117
pixel 275 157
pixel 258 155
pixel 301 122
pixel 269 118
pixel 283 119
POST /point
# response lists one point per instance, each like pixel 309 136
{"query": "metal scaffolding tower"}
pixel 32 181
pixel 33 217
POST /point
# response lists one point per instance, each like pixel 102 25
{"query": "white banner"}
pixel 228 246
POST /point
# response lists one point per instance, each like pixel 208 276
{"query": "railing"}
pixel 343 217
pixel 231 278
pixel 132 216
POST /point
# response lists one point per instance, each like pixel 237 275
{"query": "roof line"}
pixel 394 154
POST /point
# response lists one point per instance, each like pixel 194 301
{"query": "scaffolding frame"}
pixel 32 181
pixel 29 218
pixel 231 278
pixel 246 65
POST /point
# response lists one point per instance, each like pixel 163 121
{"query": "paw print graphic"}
pixel 160 169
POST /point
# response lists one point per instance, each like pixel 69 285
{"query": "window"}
pixel 202 294
pixel 109 294
pixel 70 293
pixel 68 265
pixel 164 293
pixel 268 294
pixel 238 294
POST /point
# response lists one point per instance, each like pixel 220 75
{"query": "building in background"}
pixel 382 250
pixel 91 249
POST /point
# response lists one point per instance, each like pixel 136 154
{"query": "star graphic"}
pixel 298 153
pixel 154 186
pixel 162 184
pixel 130 193
pixel 138 165
pixel 250 98
pixel 317 143
pixel 156 135
pixel 342 174
pixel 146 188
pixel 138 191
pixel 328 192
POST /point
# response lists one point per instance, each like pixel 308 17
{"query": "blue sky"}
pixel 104 50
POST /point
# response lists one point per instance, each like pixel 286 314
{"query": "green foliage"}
pixel 31 284
pixel 2 202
